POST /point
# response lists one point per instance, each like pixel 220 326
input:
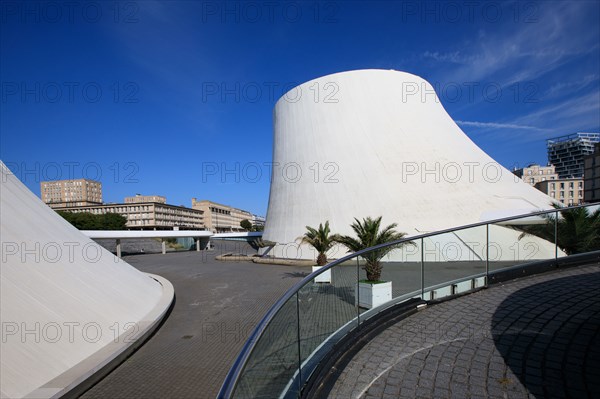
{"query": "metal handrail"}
pixel 236 370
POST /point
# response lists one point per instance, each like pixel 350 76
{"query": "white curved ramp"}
pixel 377 142
pixel 67 305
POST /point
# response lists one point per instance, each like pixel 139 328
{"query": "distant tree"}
pixel 81 220
pixel 113 221
pixel 246 225
pixel 258 227
pixel 89 221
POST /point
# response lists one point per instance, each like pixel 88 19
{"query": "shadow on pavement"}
pixel 549 336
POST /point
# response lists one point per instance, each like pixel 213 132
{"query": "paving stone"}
pixel 375 390
pixel 536 336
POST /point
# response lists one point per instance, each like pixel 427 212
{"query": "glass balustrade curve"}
pixel 300 329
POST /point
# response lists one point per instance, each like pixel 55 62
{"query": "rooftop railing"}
pixel 299 331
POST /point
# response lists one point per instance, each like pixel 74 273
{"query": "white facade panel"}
pixel 380 143
pixel 64 298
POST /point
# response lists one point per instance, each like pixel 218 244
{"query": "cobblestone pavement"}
pixel 532 337
pixel 217 306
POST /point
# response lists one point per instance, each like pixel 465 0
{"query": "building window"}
pixel 562 185
pixel 532 180
pixel 553 185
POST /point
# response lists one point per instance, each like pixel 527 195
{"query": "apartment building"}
pixel 534 174
pixel 148 215
pixel 138 198
pixel 566 191
pixel 591 176
pixel 566 153
pixel 220 218
pixel 258 220
pixel 67 193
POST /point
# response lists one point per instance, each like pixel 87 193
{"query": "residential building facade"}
pixel 220 218
pixel 591 176
pixel 148 215
pixel 138 198
pixel 566 191
pixel 71 193
pixel 566 153
pixel 534 174
pixel 258 220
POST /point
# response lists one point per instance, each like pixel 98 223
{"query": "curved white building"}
pixel 68 307
pixel 378 142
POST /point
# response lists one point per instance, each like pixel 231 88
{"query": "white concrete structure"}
pixel 202 237
pixel 377 142
pixel 241 234
pixel 68 307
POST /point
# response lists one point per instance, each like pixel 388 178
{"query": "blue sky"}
pixel 149 97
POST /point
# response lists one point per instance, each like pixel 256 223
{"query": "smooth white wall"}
pixel 383 145
pixel 58 290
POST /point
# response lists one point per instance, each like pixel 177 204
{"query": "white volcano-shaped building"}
pixel 378 142
pixel 68 307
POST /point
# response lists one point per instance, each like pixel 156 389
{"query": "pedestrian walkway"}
pixel 532 337
pixel 217 306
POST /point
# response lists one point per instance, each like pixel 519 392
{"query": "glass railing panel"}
pixel 452 257
pixel 437 265
pixel 522 240
pixel 327 306
pixel 402 267
pixel 273 364
pixel 400 275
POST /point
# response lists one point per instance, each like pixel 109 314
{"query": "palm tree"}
pixel 369 234
pixel 321 240
pixel 578 230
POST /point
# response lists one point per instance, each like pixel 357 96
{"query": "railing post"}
pixel 357 291
pixel 487 254
pixel 298 341
pixel 422 269
pixel 556 236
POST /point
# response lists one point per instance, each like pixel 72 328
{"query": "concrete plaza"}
pixel 217 306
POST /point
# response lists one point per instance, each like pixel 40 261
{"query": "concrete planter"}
pixel 372 295
pixel 324 277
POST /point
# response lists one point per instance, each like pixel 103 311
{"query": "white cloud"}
pixel 571 86
pixel 496 125
pixel 568 116
pixel 520 51
pixel 455 57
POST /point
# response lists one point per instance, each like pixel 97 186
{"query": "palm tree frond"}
pixel 369 234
